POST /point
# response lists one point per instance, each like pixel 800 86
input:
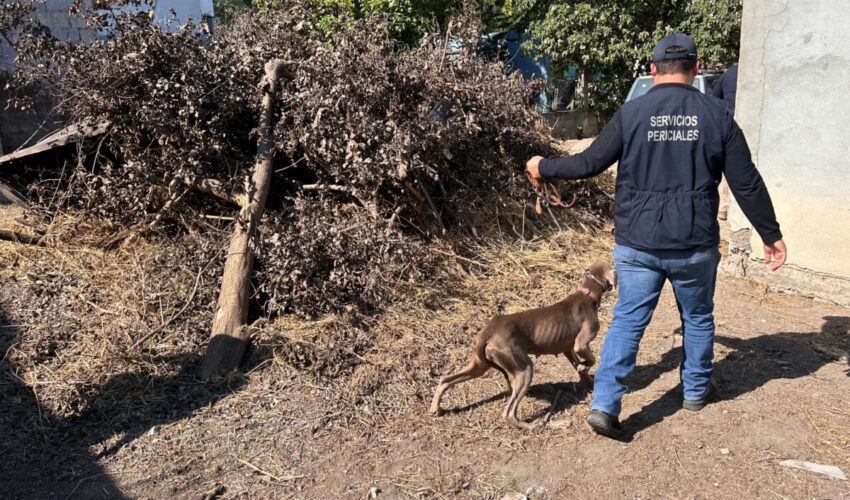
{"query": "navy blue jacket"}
pixel 726 87
pixel 674 145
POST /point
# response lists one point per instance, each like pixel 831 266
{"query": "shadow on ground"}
pixel 45 456
pixel 753 363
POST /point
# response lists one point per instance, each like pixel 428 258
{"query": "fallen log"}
pixel 229 335
pixel 17 237
pixel 215 189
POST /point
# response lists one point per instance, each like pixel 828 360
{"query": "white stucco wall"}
pixel 184 10
pixel 794 107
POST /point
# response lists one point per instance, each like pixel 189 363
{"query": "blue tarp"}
pixel 530 68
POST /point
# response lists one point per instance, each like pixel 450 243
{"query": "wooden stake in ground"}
pixel 229 332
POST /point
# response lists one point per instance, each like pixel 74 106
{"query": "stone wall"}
pixel 574 124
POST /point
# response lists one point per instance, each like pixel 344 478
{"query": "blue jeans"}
pixel 641 274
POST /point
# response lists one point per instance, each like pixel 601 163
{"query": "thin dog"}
pixel 567 327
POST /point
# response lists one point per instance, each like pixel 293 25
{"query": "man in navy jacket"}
pixel 726 87
pixel 673 145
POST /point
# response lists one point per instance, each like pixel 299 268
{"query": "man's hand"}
pixel 532 166
pixel 775 254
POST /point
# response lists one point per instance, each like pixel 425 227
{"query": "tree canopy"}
pixel 609 41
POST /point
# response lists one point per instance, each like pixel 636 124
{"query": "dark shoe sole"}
pixel 694 405
pixel 599 426
pixel 699 404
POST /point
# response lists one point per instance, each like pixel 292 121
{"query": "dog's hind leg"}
pixel 522 381
pixel 582 350
pixel 520 369
pixel 474 369
pixel 507 378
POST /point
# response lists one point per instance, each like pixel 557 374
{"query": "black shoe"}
pixel 605 424
pixel 699 404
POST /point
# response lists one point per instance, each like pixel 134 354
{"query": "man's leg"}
pixel 641 282
pixel 693 278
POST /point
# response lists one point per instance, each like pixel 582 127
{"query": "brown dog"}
pixel 506 342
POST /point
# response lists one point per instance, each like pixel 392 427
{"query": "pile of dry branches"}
pixel 379 151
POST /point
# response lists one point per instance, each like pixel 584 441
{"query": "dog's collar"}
pixel 594 278
pixel 589 293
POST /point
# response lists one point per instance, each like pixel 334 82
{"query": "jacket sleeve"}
pixel 748 187
pixel 604 151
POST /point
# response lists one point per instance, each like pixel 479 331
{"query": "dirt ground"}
pixel 333 408
pixel 784 382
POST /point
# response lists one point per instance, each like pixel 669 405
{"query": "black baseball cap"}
pixel 675 46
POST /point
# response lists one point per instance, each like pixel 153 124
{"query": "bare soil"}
pixel 337 407
pixel 785 393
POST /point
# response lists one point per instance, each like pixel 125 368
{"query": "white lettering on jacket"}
pixel 664 133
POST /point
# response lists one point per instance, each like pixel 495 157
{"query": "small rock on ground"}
pixel 513 495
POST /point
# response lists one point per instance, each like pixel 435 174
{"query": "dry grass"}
pixel 108 342
pixel 85 315
pixel 89 320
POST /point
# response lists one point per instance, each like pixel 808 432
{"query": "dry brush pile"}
pixel 379 149
pixel 391 163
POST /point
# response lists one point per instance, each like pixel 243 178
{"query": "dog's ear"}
pixel 611 277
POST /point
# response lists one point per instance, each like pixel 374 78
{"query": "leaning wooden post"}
pixel 229 336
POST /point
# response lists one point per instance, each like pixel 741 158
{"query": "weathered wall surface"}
pixel 573 124
pixel 18 127
pixel 794 107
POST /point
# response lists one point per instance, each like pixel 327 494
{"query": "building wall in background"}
pixel 793 104
pixel 18 127
pixel 21 128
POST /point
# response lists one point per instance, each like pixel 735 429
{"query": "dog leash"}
pixel 548 195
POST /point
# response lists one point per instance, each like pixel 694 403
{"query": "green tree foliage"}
pixel 611 41
pixel 716 27
pixel 407 20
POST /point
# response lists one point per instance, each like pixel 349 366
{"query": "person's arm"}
pixel 750 192
pixel 604 151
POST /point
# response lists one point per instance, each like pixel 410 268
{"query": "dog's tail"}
pixel 482 338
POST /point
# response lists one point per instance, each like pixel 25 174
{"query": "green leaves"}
pixel 611 41
pixel 406 20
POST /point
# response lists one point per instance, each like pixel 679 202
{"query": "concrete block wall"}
pixel 793 105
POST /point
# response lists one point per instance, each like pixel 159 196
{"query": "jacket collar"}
pixel 672 85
